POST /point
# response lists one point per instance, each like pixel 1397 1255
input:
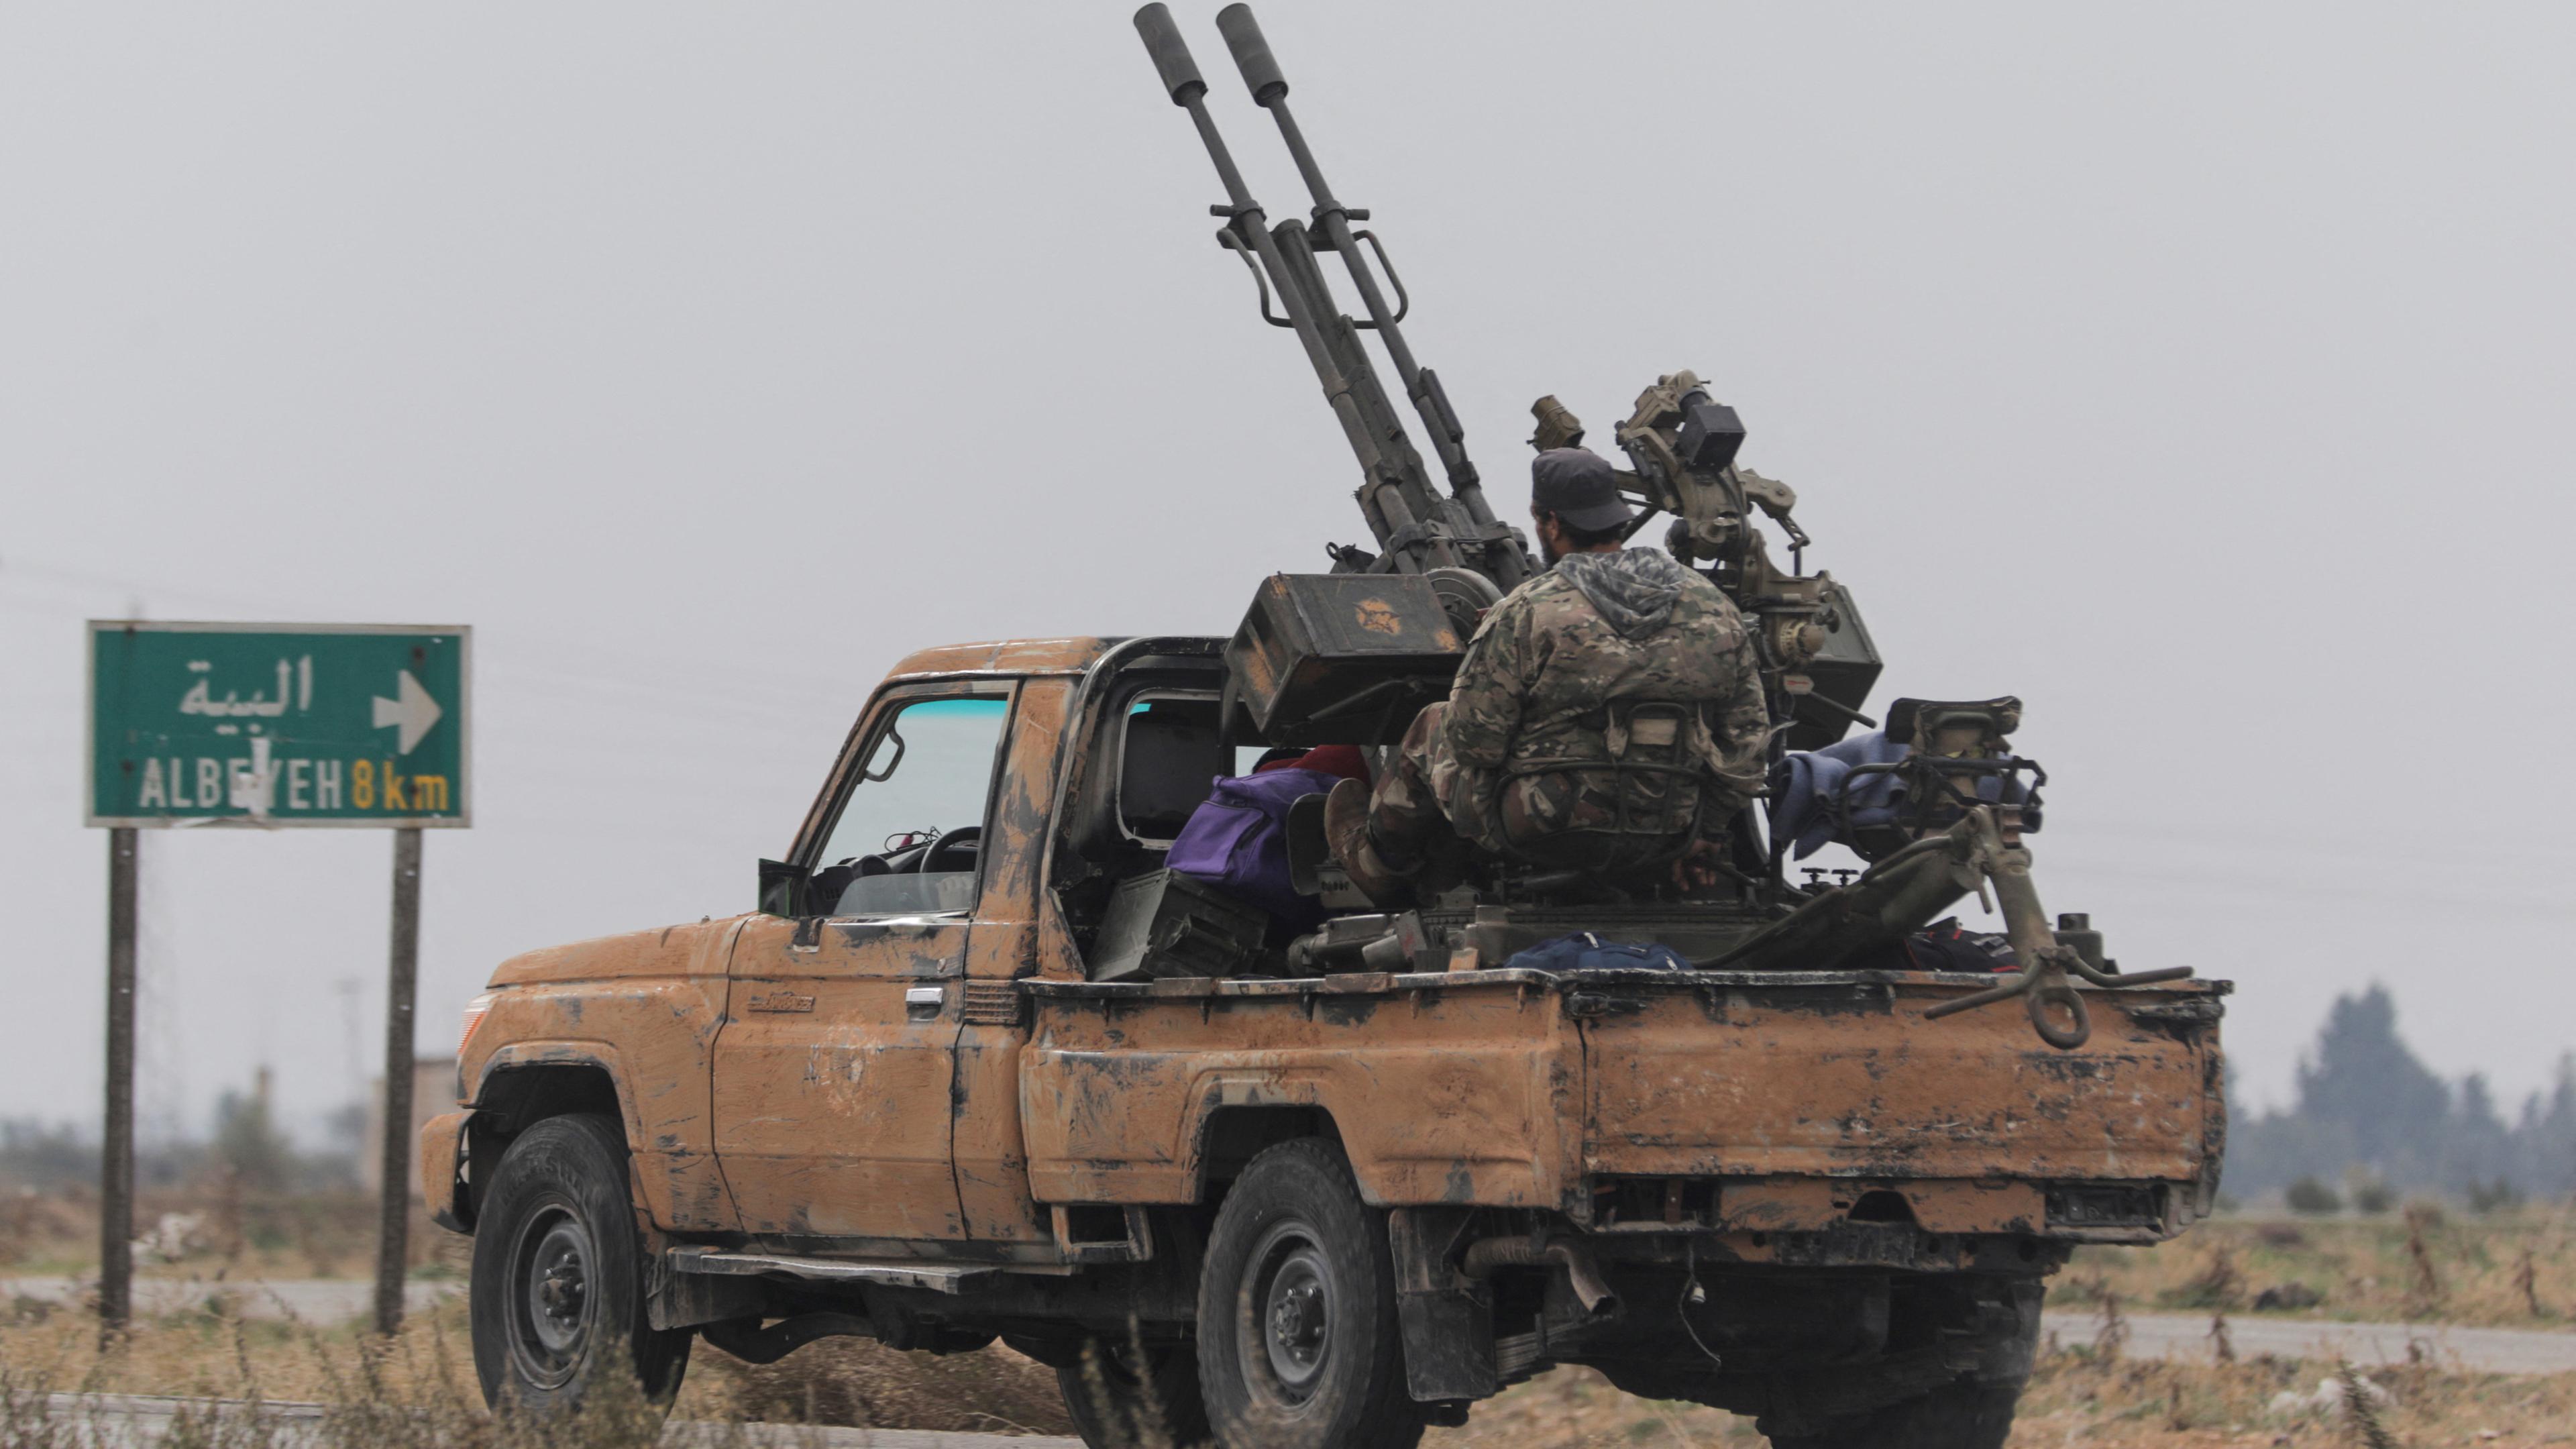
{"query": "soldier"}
pixel 1608 715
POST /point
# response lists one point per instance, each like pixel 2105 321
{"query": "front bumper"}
pixel 442 1181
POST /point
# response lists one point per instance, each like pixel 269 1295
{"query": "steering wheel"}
pixel 965 841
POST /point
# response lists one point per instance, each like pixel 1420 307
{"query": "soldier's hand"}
pixel 1697 869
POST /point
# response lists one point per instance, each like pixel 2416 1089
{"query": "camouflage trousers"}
pixel 1426 802
pixel 1409 818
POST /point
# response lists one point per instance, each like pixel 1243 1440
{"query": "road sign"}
pixel 278 724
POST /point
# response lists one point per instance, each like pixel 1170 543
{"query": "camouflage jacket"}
pixel 1557 671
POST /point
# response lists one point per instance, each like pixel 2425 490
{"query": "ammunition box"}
pixel 1341 658
pixel 1168 924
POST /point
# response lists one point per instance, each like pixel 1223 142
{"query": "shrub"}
pixel 2307 1195
pixel 2493 1197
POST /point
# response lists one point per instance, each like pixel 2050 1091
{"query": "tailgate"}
pixel 1838 1075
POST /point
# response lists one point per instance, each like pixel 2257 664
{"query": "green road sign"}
pixel 277 724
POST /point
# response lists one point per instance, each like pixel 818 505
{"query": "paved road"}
pixel 137 1419
pixel 313 1300
pixel 2186 1336
pixel 2151 1335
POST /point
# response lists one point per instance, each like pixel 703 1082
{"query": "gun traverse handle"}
pixel 1171 53
pixel 1251 54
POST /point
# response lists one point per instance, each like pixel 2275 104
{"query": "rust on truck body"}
pixel 1122 1082
pixel 1730 1076
pixel 641 1011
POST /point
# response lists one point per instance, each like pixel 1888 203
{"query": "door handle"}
pixel 922 1003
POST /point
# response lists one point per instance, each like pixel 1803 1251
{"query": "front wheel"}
pixel 1298 1342
pixel 558 1289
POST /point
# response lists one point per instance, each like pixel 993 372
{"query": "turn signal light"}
pixel 474 1011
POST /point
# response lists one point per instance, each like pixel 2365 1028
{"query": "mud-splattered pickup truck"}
pixel 1322 1199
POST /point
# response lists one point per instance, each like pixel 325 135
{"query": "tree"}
pixel 248 1144
pixel 2364 1081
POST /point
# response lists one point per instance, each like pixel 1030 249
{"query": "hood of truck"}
pixel 664 951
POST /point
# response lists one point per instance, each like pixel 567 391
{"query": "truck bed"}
pixel 1638 1100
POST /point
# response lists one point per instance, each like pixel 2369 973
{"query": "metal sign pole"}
pixel 393 1177
pixel 116 1140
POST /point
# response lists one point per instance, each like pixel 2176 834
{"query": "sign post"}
pixel 116 1141
pixel 272 726
pixel 393 1231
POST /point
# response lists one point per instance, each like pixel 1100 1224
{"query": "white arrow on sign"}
pixel 411 714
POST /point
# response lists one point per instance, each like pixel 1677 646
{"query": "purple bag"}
pixel 1237 841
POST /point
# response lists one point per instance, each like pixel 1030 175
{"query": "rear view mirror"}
pixel 783 889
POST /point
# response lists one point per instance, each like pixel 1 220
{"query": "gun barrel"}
pixel 1251 53
pixel 1261 76
pixel 1171 53
pixel 1180 73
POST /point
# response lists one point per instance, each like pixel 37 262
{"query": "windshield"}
pixel 911 828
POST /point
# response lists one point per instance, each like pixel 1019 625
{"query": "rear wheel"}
pixel 1956 1416
pixel 1119 1396
pixel 558 1287
pixel 1298 1343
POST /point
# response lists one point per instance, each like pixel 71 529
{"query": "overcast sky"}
pixel 2198 373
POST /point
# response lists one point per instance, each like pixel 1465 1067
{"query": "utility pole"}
pixel 393 1176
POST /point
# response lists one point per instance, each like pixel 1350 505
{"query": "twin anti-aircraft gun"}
pixel 1349 656
pixel 1817 655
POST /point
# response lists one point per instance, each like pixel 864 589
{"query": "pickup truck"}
pixel 913 1097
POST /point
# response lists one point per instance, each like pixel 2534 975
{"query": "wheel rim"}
pixel 1295 1302
pixel 552 1303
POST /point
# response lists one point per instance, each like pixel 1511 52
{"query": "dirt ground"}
pixel 2077 1401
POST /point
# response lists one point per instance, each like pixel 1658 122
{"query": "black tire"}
pixel 1958 1416
pixel 1155 1402
pixel 558 1288
pixel 1298 1343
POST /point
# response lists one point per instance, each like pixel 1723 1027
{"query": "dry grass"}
pixel 2076 1399
pixel 2420 1265
pixel 213 1354
pixel 418 1393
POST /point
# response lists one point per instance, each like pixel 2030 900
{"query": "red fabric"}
pixel 1342 760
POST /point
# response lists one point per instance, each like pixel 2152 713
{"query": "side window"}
pixel 909 836
pixel 1168 752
